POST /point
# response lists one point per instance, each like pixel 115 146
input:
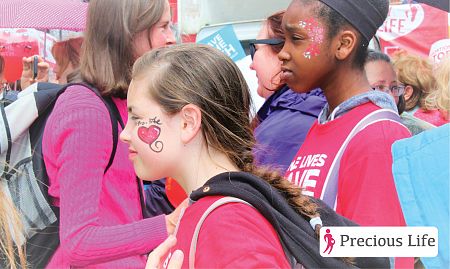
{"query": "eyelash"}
pixel 134 118
pixel 297 38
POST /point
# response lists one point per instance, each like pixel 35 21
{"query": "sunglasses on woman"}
pixel 272 42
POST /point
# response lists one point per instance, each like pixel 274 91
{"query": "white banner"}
pixel 379 241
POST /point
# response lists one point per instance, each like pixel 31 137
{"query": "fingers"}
pixel 43 66
pixel 165 246
pixel 42 75
pixel 27 71
pixel 172 218
pixel 154 259
pixel 26 63
pixel 176 261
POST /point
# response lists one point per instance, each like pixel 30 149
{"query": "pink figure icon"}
pixel 330 241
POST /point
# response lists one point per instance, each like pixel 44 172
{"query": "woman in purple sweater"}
pixel 101 220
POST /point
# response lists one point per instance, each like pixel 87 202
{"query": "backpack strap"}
pixel 330 188
pixel 216 204
pixel 114 116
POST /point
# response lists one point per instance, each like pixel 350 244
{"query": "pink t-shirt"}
pixel 101 222
pixel 366 190
pixel 434 117
pixel 234 235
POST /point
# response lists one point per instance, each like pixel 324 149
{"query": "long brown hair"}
pixel 203 76
pixel 107 51
pixel 10 234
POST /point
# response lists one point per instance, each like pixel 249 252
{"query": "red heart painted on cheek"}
pixel 150 134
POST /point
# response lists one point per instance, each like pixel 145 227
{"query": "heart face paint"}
pixel 150 134
pixel 315 33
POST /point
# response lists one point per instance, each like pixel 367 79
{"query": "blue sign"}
pixel 227 42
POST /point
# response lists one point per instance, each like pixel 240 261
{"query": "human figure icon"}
pixel 328 237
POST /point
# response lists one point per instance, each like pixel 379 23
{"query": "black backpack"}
pixel 297 237
pixel 23 175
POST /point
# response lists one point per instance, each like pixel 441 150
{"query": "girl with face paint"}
pixel 189 119
pixel 326 47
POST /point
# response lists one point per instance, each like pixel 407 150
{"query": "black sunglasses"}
pixel 272 42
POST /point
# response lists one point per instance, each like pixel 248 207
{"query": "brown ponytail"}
pixel 293 194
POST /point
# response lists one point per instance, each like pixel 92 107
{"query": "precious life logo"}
pixel 378 241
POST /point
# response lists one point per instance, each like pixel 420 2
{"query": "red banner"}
pixel 413 27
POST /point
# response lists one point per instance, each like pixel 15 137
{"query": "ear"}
pixel 408 92
pixel 346 43
pixel 191 122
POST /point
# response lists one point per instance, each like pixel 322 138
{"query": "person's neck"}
pixel 345 83
pixel 202 166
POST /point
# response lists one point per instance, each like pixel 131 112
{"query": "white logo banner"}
pixel 379 241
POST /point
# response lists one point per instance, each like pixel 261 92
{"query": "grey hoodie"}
pixel 380 99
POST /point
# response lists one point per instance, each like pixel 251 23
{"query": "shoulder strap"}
pixel 115 118
pixel 330 188
pixel 216 204
pixel 114 115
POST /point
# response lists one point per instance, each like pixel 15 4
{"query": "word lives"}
pixel 304 171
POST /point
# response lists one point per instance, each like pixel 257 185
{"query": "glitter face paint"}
pixel 315 33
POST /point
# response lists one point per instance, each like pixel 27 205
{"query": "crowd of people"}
pixel 328 146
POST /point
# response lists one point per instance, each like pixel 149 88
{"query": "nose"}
pixel 251 66
pixel 125 135
pixel 283 55
pixel 170 38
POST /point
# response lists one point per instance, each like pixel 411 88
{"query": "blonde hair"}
pixel 416 72
pixel 203 76
pixel 440 97
pixel 107 51
pixel 10 232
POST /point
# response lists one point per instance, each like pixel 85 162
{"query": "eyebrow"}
pixel 381 81
pixel 292 27
pixel 162 22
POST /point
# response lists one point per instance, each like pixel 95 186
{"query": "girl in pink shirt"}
pixel 101 220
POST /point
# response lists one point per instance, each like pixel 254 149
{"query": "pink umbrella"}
pixel 48 14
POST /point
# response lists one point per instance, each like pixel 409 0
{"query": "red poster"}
pixel 173 8
pixel 413 27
